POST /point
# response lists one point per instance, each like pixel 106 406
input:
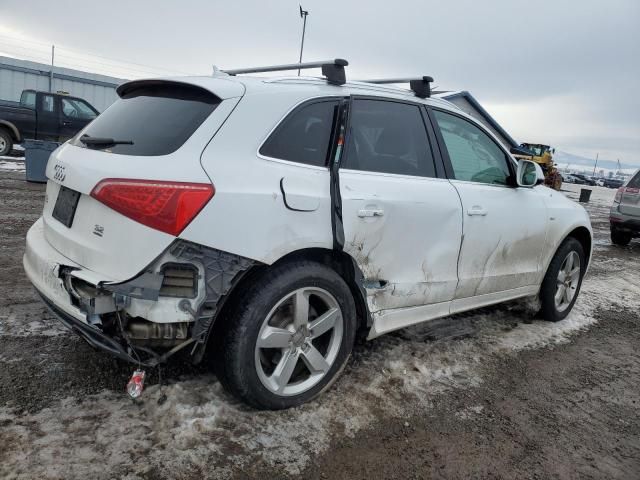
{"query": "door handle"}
pixel 477 210
pixel 66 124
pixel 370 213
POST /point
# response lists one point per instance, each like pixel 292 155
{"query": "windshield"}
pixel 537 150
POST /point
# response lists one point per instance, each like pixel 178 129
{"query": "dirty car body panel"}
pixel 359 177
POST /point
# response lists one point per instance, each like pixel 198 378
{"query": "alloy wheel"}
pixel 567 281
pixel 299 341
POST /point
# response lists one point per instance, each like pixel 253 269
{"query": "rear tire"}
pixel 6 142
pixel 275 351
pixel 620 238
pixel 562 282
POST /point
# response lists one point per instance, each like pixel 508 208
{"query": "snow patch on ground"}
pixel 201 431
pixel 205 430
pixel 11 164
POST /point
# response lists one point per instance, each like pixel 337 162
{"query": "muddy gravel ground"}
pixel 490 394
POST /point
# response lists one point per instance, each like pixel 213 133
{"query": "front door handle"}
pixel 477 210
pixel 370 213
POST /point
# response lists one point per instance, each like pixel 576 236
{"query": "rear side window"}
pixel 304 135
pixel 388 137
pixel 157 118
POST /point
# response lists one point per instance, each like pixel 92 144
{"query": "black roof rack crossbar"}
pixel 419 85
pixel 332 69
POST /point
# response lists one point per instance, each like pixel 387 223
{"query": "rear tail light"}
pixel 618 196
pixel 165 206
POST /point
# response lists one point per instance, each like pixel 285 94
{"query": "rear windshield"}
pixel 635 181
pixel 156 118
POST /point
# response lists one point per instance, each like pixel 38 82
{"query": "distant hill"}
pixel 578 162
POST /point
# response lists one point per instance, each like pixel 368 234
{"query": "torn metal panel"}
pixel 222 271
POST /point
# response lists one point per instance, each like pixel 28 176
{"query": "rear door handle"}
pixel 370 213
pixel 477 210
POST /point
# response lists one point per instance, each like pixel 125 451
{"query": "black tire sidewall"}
pixel 620 238
pixel 4 134
pixel 549 284
pixel 237 370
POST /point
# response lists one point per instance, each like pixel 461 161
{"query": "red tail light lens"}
pixel 165 206
pixel 618 196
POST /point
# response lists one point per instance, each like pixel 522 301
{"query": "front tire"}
pixel 6 142
pixel 289 337
pixel 562 282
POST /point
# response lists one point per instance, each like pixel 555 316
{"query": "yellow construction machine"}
pixel 542 155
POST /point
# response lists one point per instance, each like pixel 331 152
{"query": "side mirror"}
pixel 529 174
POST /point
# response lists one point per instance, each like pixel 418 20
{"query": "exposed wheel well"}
pixel 343 264
pixel 10 131
pixel 583 235
pixel 340 262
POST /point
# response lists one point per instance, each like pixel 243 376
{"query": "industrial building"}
pixel 17 75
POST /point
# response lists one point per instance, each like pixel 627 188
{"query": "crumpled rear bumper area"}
pixel 145 319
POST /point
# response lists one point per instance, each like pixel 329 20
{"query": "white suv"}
pixel 268 220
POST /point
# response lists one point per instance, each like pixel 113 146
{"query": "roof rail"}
pixel 332 69
pixel 419 85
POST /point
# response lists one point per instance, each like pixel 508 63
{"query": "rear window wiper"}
pixel 103 141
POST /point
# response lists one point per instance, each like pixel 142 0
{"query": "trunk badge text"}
pixel 98 230
pixel 60 173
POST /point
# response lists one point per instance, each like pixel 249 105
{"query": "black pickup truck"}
pixel 42 116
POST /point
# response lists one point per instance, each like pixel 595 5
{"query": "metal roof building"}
pixel 17 75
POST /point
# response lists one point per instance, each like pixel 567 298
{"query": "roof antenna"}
pixel 303 15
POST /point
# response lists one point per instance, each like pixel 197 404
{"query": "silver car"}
pixel 625 212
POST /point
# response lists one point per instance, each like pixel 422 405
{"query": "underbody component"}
pixel 222 271
pixel 145 286
pixel 157 334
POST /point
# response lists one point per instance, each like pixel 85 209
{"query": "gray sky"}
pixel 565 73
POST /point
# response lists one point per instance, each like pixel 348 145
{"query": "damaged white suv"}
pixel 266 221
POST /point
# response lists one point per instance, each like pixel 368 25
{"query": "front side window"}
pixel 474 156
pixel 388 137
pixel 74 108
pixel 304 135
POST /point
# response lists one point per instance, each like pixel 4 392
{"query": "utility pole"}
pixel 53 50
pixel 596 164
pixel 303 15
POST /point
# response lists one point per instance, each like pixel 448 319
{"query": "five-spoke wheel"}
pixel 290 336
pixel 299 341
pixel 568 281
pixel 562 281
